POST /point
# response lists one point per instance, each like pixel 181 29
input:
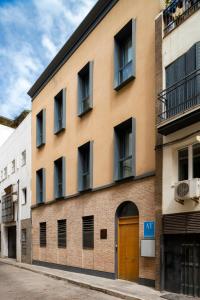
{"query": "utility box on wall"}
pixel 148 248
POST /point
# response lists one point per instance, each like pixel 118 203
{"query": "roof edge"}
pixel 94 17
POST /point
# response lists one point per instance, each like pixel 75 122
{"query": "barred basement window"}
pixel 88 232
pixel 62 226
pixel 43 238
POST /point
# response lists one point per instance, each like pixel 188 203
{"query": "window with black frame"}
pixel 183 164
pixel 124 55
pixel 124 149
pixel 85 166
pixel 88 232
pixel 85 81
pixel 196 160
pixel 59 177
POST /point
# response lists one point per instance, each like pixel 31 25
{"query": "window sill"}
pixel 59 131
pixel 125 178
pixel 85 112
pixel 40 146
pixel 123 83
pixel 84 248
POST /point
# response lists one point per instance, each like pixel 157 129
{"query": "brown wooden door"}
pixel 128 248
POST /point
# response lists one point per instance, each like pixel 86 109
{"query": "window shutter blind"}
pixel 191 60
pixel 133 147
pixel 62 229
pixel 79 104
pixel 43 185
pixel 37 188
pixel 55 181
pixel 64 108
pixel 44 126
pixel 116 64
pixel 55 116
pixel 134 47
pixel 63 176
pixel 91 164
pixel 91 64
pixel 43 241
pixel 80 165
pixel 38 141
pixel 88 232
pixel 116 156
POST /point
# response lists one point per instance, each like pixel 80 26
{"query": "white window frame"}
pixel 190 160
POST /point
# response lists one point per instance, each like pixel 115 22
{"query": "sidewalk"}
pixel 117 288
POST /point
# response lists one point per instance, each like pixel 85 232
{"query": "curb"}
pixel 109 292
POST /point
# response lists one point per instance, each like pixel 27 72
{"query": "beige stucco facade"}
pixel 110 108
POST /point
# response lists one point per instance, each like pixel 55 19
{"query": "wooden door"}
pixel 128 248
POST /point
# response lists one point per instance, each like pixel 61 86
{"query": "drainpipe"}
pixel 18 242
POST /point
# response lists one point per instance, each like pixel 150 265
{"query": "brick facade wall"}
pixel 103 205
pixel 26 224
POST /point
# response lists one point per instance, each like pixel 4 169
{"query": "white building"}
pixel 179 123
pixel 15 193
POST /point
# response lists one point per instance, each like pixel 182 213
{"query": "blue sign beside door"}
pixel 149 229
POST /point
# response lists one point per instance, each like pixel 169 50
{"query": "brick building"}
pixel 93 160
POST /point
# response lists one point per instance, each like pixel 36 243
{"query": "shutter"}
pixel 133 147
pixel 43 126
pixel 91 164
pixel 116 63
pixel 55 180
pixel 38 141
pixel 116 155
pixel 43 241
pixel 63 176
pixel 134 47
pixel 191 60
pixel 62 233
pixel 37 188
pixel 88 232
pixel 55 115
pixel 79 104
pixel 198 72
pixel 64 108
pixel 80 166
pixel 43 185
pixel 91 64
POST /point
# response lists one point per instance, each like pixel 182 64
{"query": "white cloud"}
pixel 31 35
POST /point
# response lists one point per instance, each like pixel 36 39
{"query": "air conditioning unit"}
pixel 187 189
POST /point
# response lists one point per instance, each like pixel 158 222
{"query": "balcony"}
pixel 177 12
pixel 180 104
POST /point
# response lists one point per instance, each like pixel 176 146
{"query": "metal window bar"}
pixel 173 15
pixel 180 97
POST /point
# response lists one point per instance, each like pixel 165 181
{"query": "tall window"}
pixel 43 234
pixel 40 186
pixel 85 81
pixel 23 158
pixel 62 231
pixel 59 177
pixel 41 128
pixel 189 162
pixel 125 149
pixel 196 161
pixel 85 153
pixel 183 164
pixel 60 111
pixel 13 166
pixel 88 232
pixel 24 196
pixel 125 55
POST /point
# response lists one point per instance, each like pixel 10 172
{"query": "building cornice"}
pixel 94 17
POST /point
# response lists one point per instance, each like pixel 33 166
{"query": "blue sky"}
pixel 31 33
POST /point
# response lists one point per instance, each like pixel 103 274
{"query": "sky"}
pixel 31 33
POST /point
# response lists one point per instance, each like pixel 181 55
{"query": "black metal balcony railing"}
pixel 177 12
pixel 180 97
